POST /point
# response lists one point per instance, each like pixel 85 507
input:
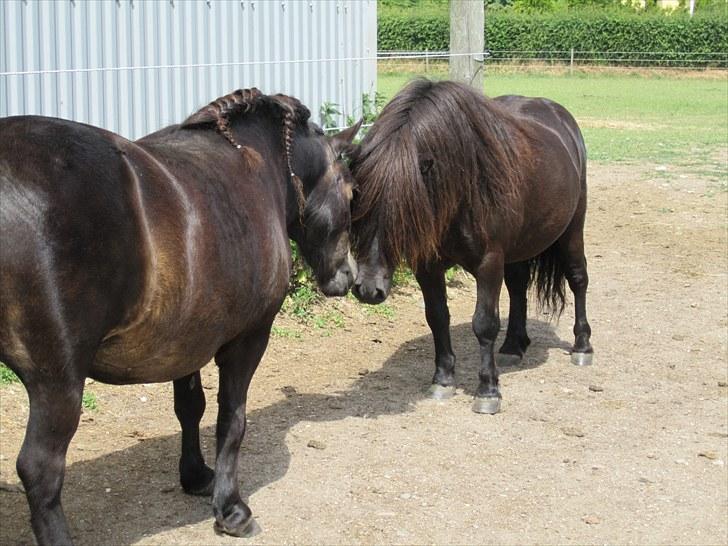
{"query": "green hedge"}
pixel 673 36
pixel 413 32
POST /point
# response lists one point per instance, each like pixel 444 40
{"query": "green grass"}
pixel 329 319
pixel 402 276
pixel 283 332
pixel 300 302
pixel 89 401
pixel 626 118
pixel 7 375
pixel 383 310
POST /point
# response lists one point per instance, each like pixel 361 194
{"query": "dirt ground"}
pixel 343 447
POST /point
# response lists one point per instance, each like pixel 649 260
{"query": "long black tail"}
pixel 548 275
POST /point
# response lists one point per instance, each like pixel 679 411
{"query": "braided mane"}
pixel 224 110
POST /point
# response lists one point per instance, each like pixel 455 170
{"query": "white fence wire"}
pixel 576 58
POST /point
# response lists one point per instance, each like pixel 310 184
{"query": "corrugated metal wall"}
pixel 133 66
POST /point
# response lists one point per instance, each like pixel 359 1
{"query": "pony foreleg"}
pixel 432 282
pixel 517 340
pixel 237 362
pixel 189 405
pixel 486 323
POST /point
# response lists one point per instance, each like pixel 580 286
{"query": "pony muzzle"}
pixel 371 289
pixel 342 280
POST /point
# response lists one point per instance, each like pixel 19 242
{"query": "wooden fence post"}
pixel 467 41
pixel 571 62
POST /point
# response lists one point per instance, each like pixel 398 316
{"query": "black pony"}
pixel 134 262
pixel 447 176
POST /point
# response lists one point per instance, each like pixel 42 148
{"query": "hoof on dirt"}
pixel 505 360
pixel 582 359
pixel 488 405
pixel 438 392
pixel 247 529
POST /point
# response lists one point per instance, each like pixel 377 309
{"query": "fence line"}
pixel 214 65
pixel 511 58
pixel 492 52
pixel 574 57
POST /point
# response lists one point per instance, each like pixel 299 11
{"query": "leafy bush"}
pixel 622 34
pixel 370 107
pixel 620 31
pixel 415 32
pixel 328 115
pixel 302 290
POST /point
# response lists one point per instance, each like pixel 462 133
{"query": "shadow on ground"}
pixel 117 497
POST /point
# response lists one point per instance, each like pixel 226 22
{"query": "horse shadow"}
pixel 123 505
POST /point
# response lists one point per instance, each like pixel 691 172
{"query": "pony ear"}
pixel 342 141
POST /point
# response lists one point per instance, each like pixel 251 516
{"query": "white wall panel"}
pixel 134 66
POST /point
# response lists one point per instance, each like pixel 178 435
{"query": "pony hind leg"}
pixel 237 362
pixel 52 364
pixel 432 282
pixel 517 340
pixel 189 405
pixel 571 248
pixel 486 324
pixel 55 409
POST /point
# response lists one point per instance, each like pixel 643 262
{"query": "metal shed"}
pixel 133 66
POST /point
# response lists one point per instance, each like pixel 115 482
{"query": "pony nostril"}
pixel 380 295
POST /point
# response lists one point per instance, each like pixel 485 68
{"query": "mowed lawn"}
pixel 646 117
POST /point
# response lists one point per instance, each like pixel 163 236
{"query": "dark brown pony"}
pixel 133 262
pixel 447 176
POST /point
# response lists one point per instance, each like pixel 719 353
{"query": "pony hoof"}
pixel 439 392
pixel 489 405
pixel 247 529
pixel 582 359
pixel 505 360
